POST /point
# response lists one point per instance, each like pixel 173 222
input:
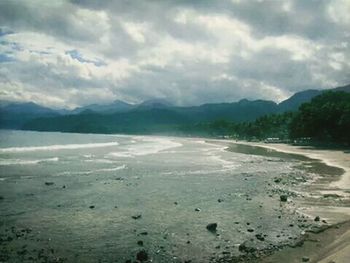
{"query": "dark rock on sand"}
pixel 140 243
pixel 142 255
pixel 244 247
pixel 305 259
pixel 49 183
pixel 260 237
pixel 137 217
pixel 331 196
pixel 283 198
pixel 317 219
pixel 91 206
pixel 197 209
pixel 250 230
pixel 220 200
pixel 212 227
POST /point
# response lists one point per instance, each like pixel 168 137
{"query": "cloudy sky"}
pixel 69 53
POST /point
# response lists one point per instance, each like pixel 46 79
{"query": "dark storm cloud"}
pixel 69 53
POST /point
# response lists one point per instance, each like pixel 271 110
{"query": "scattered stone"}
pixel 317 219
pixel 140 243
pixel 220 200
pixel 119 178
pixel 245 248
pixel 63 186
pixel 1 197
pixel 145 233
pixel 260 237
pixel 49 183
pixel 331 196
pixel 91 206
pixel 277 180
pixel 305 259
pixel 250 230
pixel 142 255
pixel 175 203
pixel 212 227
pixel 137 217
pixel 283 198
pixel 197 209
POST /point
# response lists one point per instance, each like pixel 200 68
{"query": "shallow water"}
pixel 162 179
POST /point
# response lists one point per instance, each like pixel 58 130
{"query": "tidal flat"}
pixel 113 198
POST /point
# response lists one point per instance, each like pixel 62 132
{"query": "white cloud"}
pixel 69 53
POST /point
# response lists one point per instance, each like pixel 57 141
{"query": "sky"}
pixel 69 53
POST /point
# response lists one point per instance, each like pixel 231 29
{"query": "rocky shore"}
pixel 287 216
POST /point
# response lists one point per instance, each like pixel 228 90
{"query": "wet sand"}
pixel 328 198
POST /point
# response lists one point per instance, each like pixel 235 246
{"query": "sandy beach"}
pixel 333 244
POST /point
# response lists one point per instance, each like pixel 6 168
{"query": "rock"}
pixel 49 183
pixel 1 197
pixel 331 196
pixel 245 248
pixel 145 233
pixel 142 255
pixel 197 209
pixel 119 178
pixel 91 206
pixel 63 186
pixel 220 200
pixel 250 230
pixel 305 259
pixel 283 198
pixel 259 237
pixel 317 219
pixel 137 217
pixel 140 243
pixel 277 180
pixel 175 203
pixel 212 227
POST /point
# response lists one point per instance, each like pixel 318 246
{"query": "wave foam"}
pixel 57 147
pixel 146 146
pixel 26 162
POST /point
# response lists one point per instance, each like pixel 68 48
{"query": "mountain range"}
pixel 156 115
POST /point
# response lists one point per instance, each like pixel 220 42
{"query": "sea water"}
pixel 79 195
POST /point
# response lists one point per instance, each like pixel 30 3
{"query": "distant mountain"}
pixel 153 118
pixel 116 106
pixel 14 114
pixel 244 110
pixel 294 102
pixel 297 99
pixel 155 104
pixel 149 116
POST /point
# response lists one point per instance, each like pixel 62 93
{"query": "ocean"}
pixel 104 198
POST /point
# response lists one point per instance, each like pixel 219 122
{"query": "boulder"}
pixel 142 255
pixel 212 227
pixel 283 198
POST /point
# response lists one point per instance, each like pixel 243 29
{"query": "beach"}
pixel 69 197
pixel 333 244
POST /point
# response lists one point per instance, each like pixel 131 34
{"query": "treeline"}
pixel 326 118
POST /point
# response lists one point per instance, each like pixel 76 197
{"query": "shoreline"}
pixel 333 244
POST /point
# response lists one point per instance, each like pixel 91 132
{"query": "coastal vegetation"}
pixel 326 118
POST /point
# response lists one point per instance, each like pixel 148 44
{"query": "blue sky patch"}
pixel 75 54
